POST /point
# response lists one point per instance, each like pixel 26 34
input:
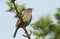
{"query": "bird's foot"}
pixel 26 35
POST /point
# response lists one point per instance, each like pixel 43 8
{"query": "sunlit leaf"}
pixel 10 4
pixel 37 33
pixel 21 8
pixel 57 15
pixel 11 10
pixel 42 23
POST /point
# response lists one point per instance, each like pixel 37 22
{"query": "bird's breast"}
pixel 26 17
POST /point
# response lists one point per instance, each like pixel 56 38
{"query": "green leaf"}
pixel 21 8
pixel 10 4
pixel 42 23
pixel 37 33
pixel 52 27
pixel 57 15
pixel 11 10
pixel 37 37
pixel 58 9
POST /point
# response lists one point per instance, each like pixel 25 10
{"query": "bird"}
pixel 24 21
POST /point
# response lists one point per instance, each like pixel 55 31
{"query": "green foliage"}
pixel 42 23
pixel 36 33
pixel 41 26
pixel 45 25
pixel 57 15
pixel 37 37
pixel 20 8
pixel 52 27
pixel 10 4
pixel 11 7
pixel 57 29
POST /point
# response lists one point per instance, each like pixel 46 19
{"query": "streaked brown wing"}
pixel 18 24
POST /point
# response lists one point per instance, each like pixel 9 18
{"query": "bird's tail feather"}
pixel 15 33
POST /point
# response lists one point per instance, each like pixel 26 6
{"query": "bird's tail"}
pixel 15 33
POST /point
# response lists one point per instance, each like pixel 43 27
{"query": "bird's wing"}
pixel 18 24
pixel 30 19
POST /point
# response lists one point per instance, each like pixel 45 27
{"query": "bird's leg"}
pixel 27 35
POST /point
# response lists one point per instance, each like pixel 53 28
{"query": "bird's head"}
pixel 29 9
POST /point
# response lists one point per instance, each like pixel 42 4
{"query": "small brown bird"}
pixel 25 20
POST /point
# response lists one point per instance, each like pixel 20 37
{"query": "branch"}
pixel 13 1
pixel 16 9
pixel 28 35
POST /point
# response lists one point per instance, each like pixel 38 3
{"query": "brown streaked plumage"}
pixel 25 21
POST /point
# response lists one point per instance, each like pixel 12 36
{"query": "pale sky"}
pixel 7 20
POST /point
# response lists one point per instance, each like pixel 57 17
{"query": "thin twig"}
pixel 15 8
pixel 28 35
pixel 13 1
